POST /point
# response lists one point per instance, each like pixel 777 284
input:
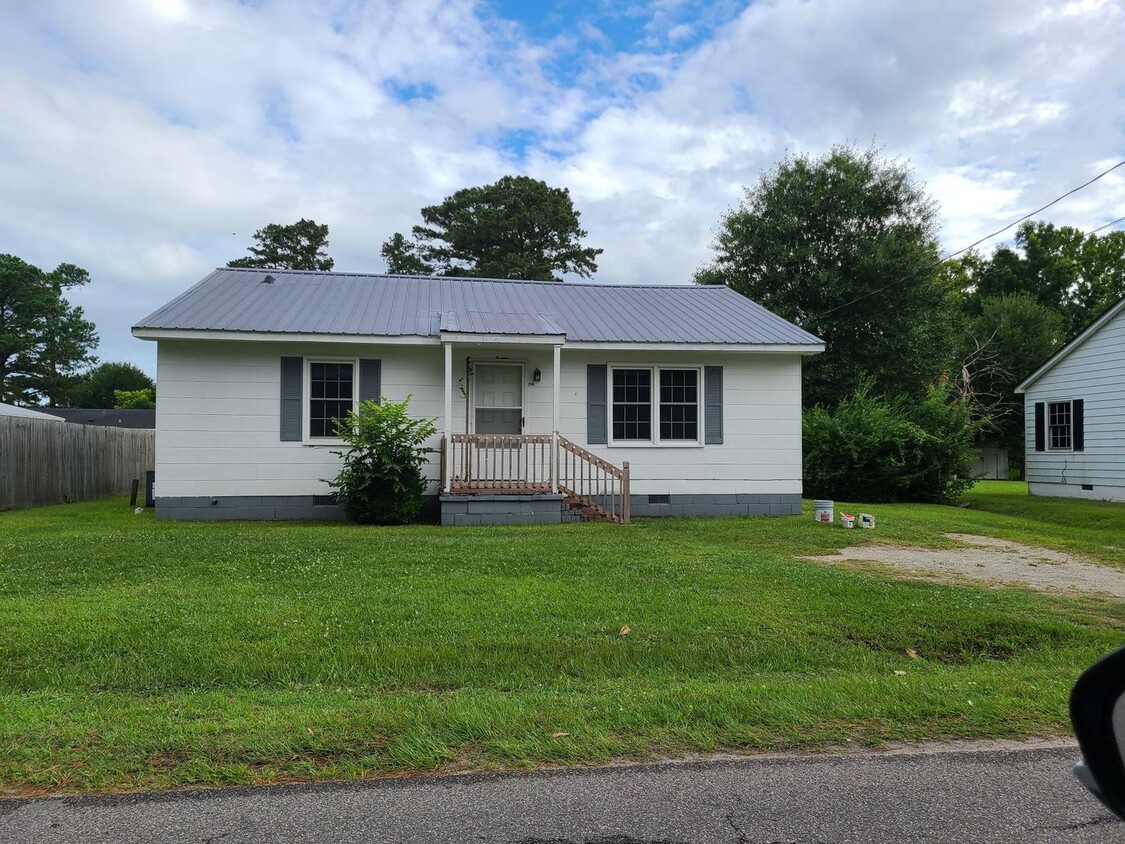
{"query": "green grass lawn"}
pixel 145 654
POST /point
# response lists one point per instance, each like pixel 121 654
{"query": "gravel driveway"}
pixel 997 561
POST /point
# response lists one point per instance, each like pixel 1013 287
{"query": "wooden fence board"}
pixel 44 462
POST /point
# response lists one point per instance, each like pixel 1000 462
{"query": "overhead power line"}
pixel 1105 226
pixel 976 243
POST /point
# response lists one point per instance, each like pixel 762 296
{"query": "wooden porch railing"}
pixel 595 482
pixel 501 462
pixel 515 463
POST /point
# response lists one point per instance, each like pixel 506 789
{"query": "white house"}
pixel 643 400
pixel 1074 412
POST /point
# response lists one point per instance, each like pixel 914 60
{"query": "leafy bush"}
pixel 381 482
pixel 875 449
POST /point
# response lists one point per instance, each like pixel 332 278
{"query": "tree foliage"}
pixel 816 241
pixel 871 448
pixel 1015 334
pixel 98 387
pixel 298 246
pixel 518 227
pixel 134 399
pixel 1076 275
pixel 44 340
pixel 381 481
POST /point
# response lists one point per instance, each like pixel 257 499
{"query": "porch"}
pixel 528 479
pixel 495 472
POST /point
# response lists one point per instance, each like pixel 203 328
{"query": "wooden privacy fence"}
pixel 44 462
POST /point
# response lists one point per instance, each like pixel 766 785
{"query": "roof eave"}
pixel 1070 347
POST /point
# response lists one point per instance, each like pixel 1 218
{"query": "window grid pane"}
pixel 1058 424
pixel 632 404
pixel 330 396
pixel 679 404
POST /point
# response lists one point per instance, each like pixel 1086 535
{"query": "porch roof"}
pixel 315 303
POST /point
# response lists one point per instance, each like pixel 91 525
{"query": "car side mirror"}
pixel 1097 710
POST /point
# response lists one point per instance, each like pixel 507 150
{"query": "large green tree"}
pixel 517 227
pixel 845 246
pixel 98 387
pixel 302 245
pixel 44 340
pixel 1077 275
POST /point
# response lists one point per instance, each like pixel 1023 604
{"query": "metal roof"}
pixel 298 302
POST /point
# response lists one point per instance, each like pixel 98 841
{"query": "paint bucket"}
pixel 866 520
pixel 847 520
pixel 822 512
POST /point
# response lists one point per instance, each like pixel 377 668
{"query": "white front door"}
pixel 498 398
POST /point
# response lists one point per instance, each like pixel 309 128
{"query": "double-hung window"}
pixel 1059 426
pixel 332 392
pixel 655 404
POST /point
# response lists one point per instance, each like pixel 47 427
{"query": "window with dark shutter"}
pixel 292 374
pixel 713 404
pixel 596 416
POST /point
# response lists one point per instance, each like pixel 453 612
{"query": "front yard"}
pixel 138 654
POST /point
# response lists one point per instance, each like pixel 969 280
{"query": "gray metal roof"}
pixel 290 301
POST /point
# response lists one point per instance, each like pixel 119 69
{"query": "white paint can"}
pixel 822 512
pixel 866 520
pixel 847 520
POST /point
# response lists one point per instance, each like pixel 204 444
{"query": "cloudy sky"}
pixel 146 140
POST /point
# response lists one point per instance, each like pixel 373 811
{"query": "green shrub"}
pixel 381 482
pixel 905 449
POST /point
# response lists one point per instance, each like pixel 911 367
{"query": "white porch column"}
pixel 557 374
pixel 448 416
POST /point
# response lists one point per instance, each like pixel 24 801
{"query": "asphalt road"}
pixel 1013 794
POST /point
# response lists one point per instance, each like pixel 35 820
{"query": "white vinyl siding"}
pixel 1095 373
pixel 217 416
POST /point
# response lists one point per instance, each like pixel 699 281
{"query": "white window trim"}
pixel 1047 425
pixel 474 363
pixel 306 391
pixel 655 441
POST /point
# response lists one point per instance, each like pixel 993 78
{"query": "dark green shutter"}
pixel 370 380
pixel 596 411
pixel 292 407
pixel 713 405
pixel 1040 427
pixel 1078 420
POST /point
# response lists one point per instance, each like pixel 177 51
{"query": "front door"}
pixel 498 398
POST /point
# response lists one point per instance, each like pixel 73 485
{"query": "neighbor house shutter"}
pixel 1078 420
pixel 370 380
pixel 596 411
pixel 1040 427
pixel 713 405
pixel 292 376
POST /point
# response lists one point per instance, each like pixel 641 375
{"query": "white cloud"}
pixel 146 141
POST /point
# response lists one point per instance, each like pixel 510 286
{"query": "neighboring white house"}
pixel 26 413
pixel 542 391
pixel 1074 412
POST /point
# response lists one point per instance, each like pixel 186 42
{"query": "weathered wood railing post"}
pixel 625 492
pixel 444 466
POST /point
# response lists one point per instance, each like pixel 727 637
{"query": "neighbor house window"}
pixel 673 406
pixel 331 395
pixel 1059 425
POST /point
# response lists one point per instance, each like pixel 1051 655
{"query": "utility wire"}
pixel 941 261
pixel 1106 226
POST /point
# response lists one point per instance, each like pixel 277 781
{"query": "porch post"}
pixel 555 418
pixel 448 415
